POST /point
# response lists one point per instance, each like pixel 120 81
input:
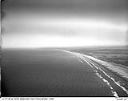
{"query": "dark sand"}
pixel 48 73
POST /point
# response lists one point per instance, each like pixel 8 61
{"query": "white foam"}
pixel 118 69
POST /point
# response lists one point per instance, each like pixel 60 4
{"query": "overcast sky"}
pixel 64 23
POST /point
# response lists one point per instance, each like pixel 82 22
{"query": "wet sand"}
pixel 48 73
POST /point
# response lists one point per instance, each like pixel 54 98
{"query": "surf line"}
pixel 116 82
pixel 101 77
pixel 88 60
pixel 81 56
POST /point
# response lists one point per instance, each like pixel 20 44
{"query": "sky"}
pixel 64 23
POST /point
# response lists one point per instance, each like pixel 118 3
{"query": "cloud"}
pixel 91 22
